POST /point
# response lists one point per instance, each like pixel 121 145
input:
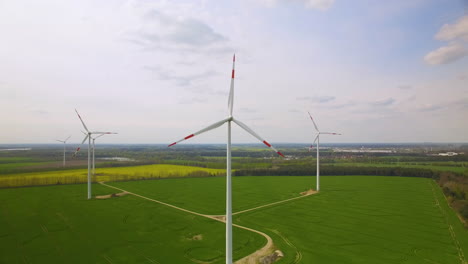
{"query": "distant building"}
pixel 364 150
pixel 448 154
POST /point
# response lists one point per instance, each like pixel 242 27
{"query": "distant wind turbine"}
pixel 94 147
pixel 64 144
pixel 317 139
pixel 88 137
pixel 228 120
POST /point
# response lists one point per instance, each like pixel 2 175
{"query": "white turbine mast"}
pixel 228 120
pixel 64 144
pixel 93 161
pixel 317 139
pixel 88 137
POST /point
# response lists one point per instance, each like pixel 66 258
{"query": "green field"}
pixel 104 174
pixel 355 219
pixel 437 166
pixel 56 224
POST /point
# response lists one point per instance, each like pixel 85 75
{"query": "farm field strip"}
pixel 369 219
pixel 274 203
pixel 358 219
pixel 437 167
pixel 156 201
pixel 207 195
pixel 461 255
pixel 247 259
pixel 74 176
pixel 57 224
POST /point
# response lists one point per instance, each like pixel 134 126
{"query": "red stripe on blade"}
pixel 232 74
pixel 187 137
pixel 78 149
pixel 172 144
pixel 266 143
pixel 281 154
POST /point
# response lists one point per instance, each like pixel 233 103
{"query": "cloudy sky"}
pixel 156 71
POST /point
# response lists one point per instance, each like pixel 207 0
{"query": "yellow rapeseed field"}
pixel 106 174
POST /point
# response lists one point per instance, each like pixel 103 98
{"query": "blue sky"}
pixel 155 71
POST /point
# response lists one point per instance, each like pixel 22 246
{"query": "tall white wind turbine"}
pixel 64 144
pixel 93 163
pixel 317 139
pixel 228 120
pixel 88 137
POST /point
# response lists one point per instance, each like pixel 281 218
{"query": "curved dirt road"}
pixel 250 259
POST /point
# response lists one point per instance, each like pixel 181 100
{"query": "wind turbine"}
pixel 228 120
pixel 88 137
pixel 94 147
pixel 64 143
pixel 317 139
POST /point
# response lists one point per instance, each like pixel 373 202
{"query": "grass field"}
pixel 355 219
pixel 440 166
pixel 56 224
pixel 366 220
pixel 104 174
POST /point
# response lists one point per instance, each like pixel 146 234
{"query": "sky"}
pixel 157 71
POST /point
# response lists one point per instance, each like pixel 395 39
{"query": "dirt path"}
pixel 250 259
pixel 279 202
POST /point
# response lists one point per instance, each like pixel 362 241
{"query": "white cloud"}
pixel 405 87
pixel 385 102
pixel 179 79
pixel 459 30
pixel 161 30
pixel 457 33
pixel 319 4
pixel 312 4
pixel 317 99
pixel 447 54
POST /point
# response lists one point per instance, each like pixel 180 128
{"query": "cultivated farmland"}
pixel 105 174
pixel 358 219
pixel 56 224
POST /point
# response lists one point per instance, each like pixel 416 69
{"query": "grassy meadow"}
pixel 358 219
pixel 354 219
pixel 437 166
pixel 56 224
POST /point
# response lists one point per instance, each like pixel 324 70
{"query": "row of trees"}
pixel 338 170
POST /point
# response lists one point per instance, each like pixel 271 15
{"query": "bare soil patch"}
pixel 197 237
pixel 309 192
pixel 111 195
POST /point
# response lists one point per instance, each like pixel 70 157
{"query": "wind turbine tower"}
pixel 229 121
pixel 93 163
pixel 88 137
pixel 317 139
pixel 64 144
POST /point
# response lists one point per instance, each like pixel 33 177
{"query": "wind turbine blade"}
pixel 330 133
pixel 315 140
pixel 315 125
pixel 213 126
pixel 104 133
pixel 250 131
pixel 81 120
pixel 67 138
pixel 100 136
pixel 79 147
pixel 231 90
pixel 60 141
